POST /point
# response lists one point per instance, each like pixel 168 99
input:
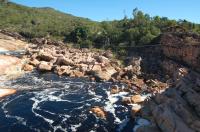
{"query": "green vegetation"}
pixel 139 30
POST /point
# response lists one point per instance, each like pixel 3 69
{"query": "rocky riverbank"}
pixel 158 98
pixel 10 66
pixel 99 66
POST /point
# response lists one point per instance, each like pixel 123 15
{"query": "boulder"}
pixel 44 66
pixel 45 57
pixel 28 67
pixel 139 83
pixel 83 67
pixel 5 92
pixel 10 65
pixel 61 70
pixel 102 59
pixel 96 67
pixel 76 73
pixel 99 112
pixel 136 99
pixel 34 62
pixel 68 62
pixel 134 110
pixel 114 90
pixel 105 74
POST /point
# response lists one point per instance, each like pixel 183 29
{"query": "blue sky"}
pixel 114 9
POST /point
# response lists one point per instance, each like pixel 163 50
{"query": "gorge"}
pixel 66 89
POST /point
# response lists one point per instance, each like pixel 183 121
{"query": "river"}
pixel 47 102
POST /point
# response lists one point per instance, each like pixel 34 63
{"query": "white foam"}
pixel 110 106
pixel 74 127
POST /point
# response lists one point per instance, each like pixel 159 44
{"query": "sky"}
pixel 100 10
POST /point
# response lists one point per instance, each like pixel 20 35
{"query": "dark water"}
pixel 46 102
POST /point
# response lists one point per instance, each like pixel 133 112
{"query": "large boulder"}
pixel 45 66
pixel 105 74
pixel 102 59
pixel 63 70
pixel 5 92
pixel 28 67
pixel 45 57
pixel 99 112
pixel 10 65
pixel 34 62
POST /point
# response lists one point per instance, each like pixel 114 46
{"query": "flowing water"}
pixel 47 102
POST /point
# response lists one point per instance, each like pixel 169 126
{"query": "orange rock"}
pixel 135 110
pixel 5 92
pixel 76 73
pixel 34 62
pixel 114 90
pixel 99 112
pixel 139 83
pixel 136 99
pixel 27 67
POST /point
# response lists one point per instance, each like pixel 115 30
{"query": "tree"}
pixel 79 34
pixel 4 1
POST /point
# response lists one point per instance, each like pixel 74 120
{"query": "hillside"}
pixel 141 29
pixel 39 22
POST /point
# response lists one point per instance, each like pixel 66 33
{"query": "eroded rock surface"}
pixel 176 109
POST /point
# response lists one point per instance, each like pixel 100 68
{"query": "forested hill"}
pixel 141 29
pixel 39 22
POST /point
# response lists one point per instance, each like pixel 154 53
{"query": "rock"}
pixel 76 73
pixel 45 57
pixel 176 108
pixel 139 83
pixel 28 67
pixel 102 59
pixel 148 128
pixel 134 65
pixel 83 67
pixel 99 112
pixel 126 100
pixel 10 65
pixel 61 70
pixel 114 90
pixel 45 66
pixel 34 62
pixel 5 92
pixel 108 54
pixel 67 62
pixel 181 72
pixel 96 68
pixel 105 74
pixel 136 99
pixel 175 46
pixel 135 110
pixel 168 121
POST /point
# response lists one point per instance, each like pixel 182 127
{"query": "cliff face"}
pixel 177 109
pixel 182 47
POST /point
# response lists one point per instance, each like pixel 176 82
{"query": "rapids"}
pixel 47 102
